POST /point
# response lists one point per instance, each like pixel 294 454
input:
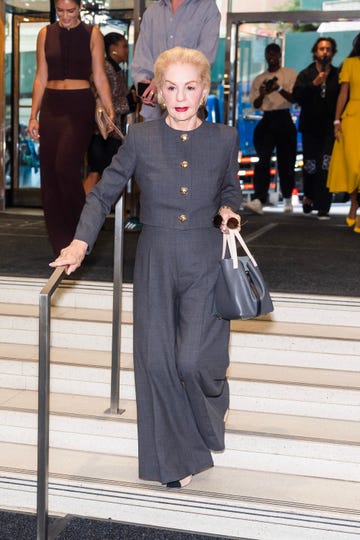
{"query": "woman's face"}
pixel 183 91
pixel 68 12
pixel 121 48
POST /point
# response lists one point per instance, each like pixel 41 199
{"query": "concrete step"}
pixel 263 388
pixel 290 308
pixel 91 328
pixel 291 468
pixel 70 293
pixel 26 356
pixel 225 502
pixel 255 441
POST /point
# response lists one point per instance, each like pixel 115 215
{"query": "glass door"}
pixel 23 174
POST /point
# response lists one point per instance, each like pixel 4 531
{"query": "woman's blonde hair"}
pixel 181 55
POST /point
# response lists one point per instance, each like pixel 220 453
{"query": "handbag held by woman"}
pixel 104 123
pixel 240 290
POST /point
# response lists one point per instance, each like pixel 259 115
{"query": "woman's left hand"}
pixel 227 214
pixel 337 131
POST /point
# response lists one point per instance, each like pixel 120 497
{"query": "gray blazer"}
pixel 184 177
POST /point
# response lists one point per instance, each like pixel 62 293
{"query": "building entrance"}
pixel 246 37
pixel 21 173
pixel 295 32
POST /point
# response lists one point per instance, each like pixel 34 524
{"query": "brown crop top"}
pixel 67 52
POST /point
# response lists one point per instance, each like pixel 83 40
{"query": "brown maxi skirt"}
pixel 66 127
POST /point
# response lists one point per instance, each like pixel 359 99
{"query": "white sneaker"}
pixel 255 206
pixel 288 207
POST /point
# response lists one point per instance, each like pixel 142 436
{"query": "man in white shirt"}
pixel 194 24
pixel 271 92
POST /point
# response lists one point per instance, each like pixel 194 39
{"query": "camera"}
pixel 269 83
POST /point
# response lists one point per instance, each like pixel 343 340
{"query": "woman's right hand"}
pixel 33 128
pixel 71 256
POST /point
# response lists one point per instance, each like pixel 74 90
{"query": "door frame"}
pixel 23 196
pixel 2 107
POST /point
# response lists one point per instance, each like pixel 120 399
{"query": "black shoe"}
pixel 179 483
pixel 175 484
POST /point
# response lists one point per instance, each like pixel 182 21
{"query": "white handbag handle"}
pixel 229 240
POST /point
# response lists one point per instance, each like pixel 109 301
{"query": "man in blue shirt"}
pixel 166 24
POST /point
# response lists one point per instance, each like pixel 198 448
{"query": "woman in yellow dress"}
pixel 344 171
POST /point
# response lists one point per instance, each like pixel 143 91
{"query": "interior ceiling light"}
pixel 94 6
pixel 94 12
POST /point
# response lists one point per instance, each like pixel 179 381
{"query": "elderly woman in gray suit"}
pixel 186 170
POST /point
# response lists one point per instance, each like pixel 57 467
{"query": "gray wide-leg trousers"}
pixel 180 352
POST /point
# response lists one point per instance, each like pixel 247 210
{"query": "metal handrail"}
pixel 43 401
pixel 44 365
pixel 117 308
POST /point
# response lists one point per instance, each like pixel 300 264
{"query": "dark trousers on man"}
pixel 275 130
pixel 317 150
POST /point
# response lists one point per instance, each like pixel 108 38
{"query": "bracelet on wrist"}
pixel 337 122
pixel 280 89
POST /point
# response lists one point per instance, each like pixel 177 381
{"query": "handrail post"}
pixel 44 365
pixel 43 417
pixel 43 402
pixel 117 307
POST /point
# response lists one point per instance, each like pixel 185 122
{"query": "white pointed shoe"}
pixel 254 206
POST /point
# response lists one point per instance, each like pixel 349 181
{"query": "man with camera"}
pixel 316 90
pixel 271 92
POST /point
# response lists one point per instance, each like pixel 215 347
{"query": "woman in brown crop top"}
pixel 68 52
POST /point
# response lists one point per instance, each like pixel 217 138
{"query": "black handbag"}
pixel 240 290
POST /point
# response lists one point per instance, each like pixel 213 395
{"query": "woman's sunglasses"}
pixel 232 223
